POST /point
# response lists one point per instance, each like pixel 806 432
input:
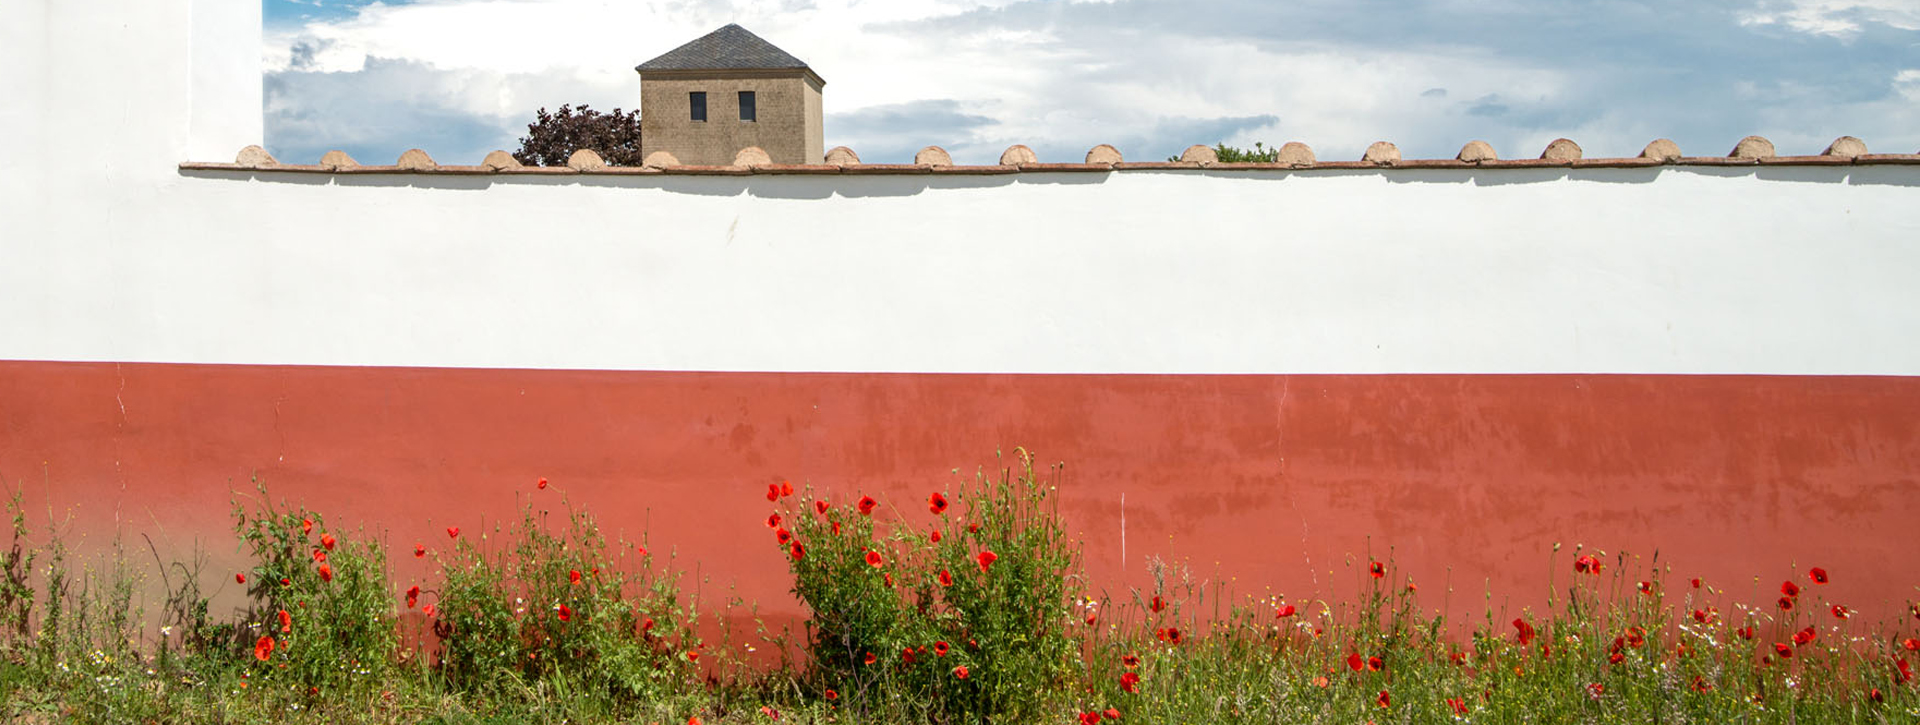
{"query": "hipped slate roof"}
pixel 729 48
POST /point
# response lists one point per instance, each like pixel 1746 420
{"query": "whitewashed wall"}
pixel 109 252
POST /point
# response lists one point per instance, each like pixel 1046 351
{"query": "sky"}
pixel 459 78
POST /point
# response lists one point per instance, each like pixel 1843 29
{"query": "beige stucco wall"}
pixel 788 124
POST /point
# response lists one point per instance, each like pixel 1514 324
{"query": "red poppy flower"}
pixel 1375 664
pixel 960 672
pixel 1745 632
pixel 1790 589
pixel 939 649
pixel 1320 682
pixel 565 612
pixel 946 578
pixel 263 648
pixel 1783 649
pixel 1130 681
pixel 1904 672
pixel 1805 637
pixel 1646 587
pixel 285 582
pixel 1173 635
pixel 540 484
pixel 427 610
pixel 1875 695
pixel 797 551
pixel 936 536
pixel 836 528
pixel 1696 582
pixel 1595 690
pixel 1377 569
pixel 327 541
pixel 888 578
pixel 973 528
pixel 821 506
pixel 1383 700
pixel 937 503
pixel 413 596
pixel 1700 684
pixel 1616 658
pixel 319 554
pixel 1354 662
pixel 1157 604
pixel 1129 661
pixel 1840 612
pixel 1700 615
pixel 1526 630
pixel 773 520
pixel 1089 718
pixel 786 487
pixel 1586 565
pixel 326 573
pixel 782 535
pixel 831 695
pixel 1457 658
pixel 1636 637
pixel 906 655
pixel 1112 713
pixel 1285 610
pixel 866 505
pixel 1912 645
pixel 986 559
pixel 873 559
pixel 419 550
pixel 770 713
pixel 1818 575
pixel 239 578
pixel 773 492
pixel 453 532
pixel 1785 604
pixel 306 526
pixel 871 659
pixel 573 576
pixel 693 720
pixel 693 656
pixel 286 621
pixel 1458 705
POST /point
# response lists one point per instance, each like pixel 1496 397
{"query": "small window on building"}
pixel 746 106
pixel 697 101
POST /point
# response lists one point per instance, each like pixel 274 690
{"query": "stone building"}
pixel 727 90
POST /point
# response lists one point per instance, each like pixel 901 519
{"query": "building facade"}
pixel 705 101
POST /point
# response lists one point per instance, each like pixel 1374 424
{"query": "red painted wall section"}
pixel 1267 481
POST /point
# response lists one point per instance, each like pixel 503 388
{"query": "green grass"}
pixel 1617 643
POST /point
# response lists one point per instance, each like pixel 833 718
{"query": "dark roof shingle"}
pixel 731 47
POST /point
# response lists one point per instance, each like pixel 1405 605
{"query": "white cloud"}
pixel 1840 18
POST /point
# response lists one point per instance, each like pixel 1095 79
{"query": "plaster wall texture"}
pixel 787 112
pixel 1276 368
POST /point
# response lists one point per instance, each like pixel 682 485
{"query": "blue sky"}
pixel 461 77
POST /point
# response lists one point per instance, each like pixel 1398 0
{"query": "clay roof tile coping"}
pixel 498 160
pixel 1198 154
pixel 1018 154
pixel 932 156
pixel 1662 149
pixel 659 160
pixel 1562 149
pixel 1752 147
pixel 1475 152
pixel 1104 154
pixel 1847 146
pixel 1381 153
pixel 255 156
pixel 1294 153
pixel 842 156
pixel 415 160
pixel 752 156
pixel 336 160
pixel 586 160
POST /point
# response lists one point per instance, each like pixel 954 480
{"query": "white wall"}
pixel 110 253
